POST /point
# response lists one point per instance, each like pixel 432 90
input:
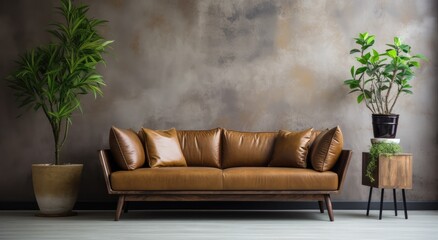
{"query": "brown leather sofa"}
pixel 223 165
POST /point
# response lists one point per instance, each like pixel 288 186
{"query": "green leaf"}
pixel 370 39
pixel 375 53
pixel 354 51
pixel 397 41
pixel 369 80
pixel 360 98
pixel 405 48
pixel 414 63
pixel 360 70
pixel 355 90
pixel 366 46
pixel 367 56
pixel 389 68
pixel 420 56
pixel 374 59
pixel 391 53
pixel 368 94
pixel 352 71
pixel 361 60
pixel 383 88
pixel 407 91
pixel 350 81
pixel 106 43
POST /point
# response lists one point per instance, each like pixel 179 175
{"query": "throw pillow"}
pixel 126 148
pixel 326 149
pixel 163 149
pixel 291 148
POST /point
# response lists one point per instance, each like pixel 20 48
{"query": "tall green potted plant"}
pixel 381 78
pixel 52 78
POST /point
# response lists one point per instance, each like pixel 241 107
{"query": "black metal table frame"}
pixel 381 202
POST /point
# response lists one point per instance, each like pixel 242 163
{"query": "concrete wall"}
pixel 246 65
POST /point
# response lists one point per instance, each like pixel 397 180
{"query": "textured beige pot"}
pixel 56 188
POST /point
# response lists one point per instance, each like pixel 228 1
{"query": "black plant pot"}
pixel 385 126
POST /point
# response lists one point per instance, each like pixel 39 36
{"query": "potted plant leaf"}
pixel 51 78
pixel 381 78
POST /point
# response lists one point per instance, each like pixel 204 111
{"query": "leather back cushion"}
pixel 291 148
pixel 247 149
pixel 326 149
pixel 163 148
pixel 126 148
pixel 201 148
pixel 315 134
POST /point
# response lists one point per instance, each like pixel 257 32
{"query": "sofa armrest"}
pixel 105 158
pixel 341 167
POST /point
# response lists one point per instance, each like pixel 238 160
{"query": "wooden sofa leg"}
pixel 321 206
pixel 120 204
pixel 328 204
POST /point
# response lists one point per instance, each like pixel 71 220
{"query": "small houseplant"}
pixel 377 149
pixel 52 78
pixel 381 78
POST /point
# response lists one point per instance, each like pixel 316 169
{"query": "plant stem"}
pixel 55 132
pixel 66 128
pixel 395 100
pixel 394 74
pixel 362 80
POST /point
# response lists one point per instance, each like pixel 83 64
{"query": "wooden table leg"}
pixel 369 201
pixel 404 204
pixel 381 204
pixel 321 206
pixel 395 201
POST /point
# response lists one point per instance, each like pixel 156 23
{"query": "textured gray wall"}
pixel 246 65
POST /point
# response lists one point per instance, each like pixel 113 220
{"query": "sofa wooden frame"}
pixel 321 196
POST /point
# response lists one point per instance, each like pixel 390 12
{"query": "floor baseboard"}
pixel 226 205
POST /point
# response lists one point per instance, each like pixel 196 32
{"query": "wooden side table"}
pixel 394 172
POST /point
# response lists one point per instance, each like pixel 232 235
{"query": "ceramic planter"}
pixel 56 188
pixel 385 125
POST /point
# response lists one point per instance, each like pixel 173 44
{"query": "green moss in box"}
pixel 378 149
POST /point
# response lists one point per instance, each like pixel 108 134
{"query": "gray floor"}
pixel 161 225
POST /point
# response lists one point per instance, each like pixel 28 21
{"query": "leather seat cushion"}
pixel 168 178
pixel 201 148
pixel 273 178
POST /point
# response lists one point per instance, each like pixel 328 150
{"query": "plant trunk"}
pixel 57 155
pixel 56 131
